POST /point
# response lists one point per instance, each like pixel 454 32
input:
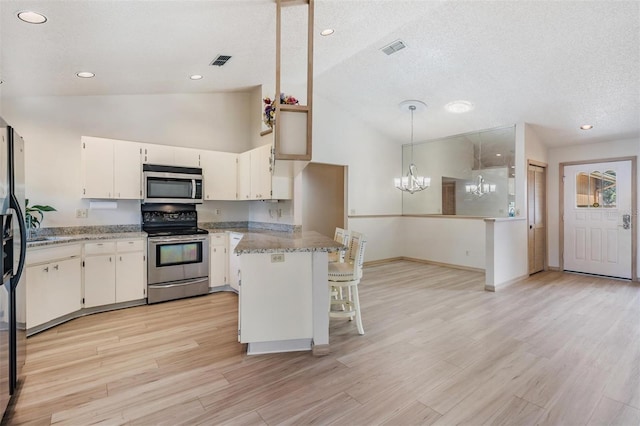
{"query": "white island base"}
pixel 284 302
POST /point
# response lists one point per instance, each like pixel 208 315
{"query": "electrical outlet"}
pixel 82 213
pixel 277 258
pixel 467 252
pixel 217 211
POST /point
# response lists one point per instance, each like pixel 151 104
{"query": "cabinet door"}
pixel 220 175
pixel 219 260
pixel 97 167
pixel 66 292
pixel 39 310
pixel 187 157
pixel 244 176
pixel 234 261
pixel 127 179
pixel 261 172
pixel 157 154
pixel 99 280
pixel 130 277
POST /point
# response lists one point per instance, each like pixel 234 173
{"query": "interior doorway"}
pixel 448 196
pixel 537 217
pixel 598 198
pixel 324 198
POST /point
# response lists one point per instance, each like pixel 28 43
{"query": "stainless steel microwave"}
pixel 171 184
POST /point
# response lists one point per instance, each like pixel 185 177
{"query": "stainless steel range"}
pixel 178 252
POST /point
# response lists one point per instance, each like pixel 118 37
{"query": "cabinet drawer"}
pixel 130 245
pixel 218 239
pixel 50 254
pixel 100 248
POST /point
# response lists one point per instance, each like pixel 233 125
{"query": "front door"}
pixel 597 218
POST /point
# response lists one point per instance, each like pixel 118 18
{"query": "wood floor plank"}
pixel 554 348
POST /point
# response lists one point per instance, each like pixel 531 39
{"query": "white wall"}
pixel 597 151
pixel 384 236
pixel 52 126
pixel 455 241
pixel 503 263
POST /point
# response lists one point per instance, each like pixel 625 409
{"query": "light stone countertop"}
pixel 53 240
pixel 286 242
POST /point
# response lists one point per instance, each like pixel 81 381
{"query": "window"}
pixel 596 189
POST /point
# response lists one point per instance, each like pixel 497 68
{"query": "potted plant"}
pixel 34 215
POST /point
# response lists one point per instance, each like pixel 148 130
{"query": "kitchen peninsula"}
pixel 284 298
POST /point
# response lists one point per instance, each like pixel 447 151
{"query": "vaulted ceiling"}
pixel 554 64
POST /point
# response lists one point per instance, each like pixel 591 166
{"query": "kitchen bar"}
pixel 284 298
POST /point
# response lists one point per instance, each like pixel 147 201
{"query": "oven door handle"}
pixel 178 284
pixel 162 240
pixel 193 188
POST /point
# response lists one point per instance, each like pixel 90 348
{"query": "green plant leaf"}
pixel 44 208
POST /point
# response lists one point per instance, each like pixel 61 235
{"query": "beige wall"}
pixel 323 198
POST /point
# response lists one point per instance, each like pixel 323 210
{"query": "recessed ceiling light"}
pixel 327 32
pixel 196 77
pixel 586 127
pixel 459 107
pixel 31 17
pixel 85 74
pixel 498 155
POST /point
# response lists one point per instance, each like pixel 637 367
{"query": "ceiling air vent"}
pixel 394 47
pixel 220 60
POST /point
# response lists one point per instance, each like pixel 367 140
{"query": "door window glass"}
pixel 596 189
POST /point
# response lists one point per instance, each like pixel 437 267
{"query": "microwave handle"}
pixel 193 188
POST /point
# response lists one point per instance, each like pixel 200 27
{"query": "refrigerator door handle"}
pixel 23 240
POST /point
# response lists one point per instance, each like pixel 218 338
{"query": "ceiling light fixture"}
pixel 327 32
pixel 480 188
pixel 459 107
pixel 31 17
pixel 196 77
pixel 586 127
pixel 412 182
pixel 498 155
pixel 85 74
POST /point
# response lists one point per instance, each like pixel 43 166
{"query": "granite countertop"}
pixel 52 240
pixel 278 242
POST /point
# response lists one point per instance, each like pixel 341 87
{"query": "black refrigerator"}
pixel 14 244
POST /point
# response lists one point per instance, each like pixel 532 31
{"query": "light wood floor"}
pixel 555 349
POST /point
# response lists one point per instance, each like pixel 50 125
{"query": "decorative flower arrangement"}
pixel 270 108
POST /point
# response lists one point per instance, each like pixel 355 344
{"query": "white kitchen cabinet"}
pixel 53 283
pixel 127 176
pixel 131 270
pixel 234 261
pixel 220 175
pixel 158 154
pixel 187 157
pixel 256 179
pixel 244 176
pixel 97 167
pixel 110 168
pixel 219 259
pixel 261 172
pixel 114 272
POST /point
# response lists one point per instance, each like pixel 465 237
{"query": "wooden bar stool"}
pixel 347 275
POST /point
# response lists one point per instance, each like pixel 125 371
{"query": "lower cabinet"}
pixel 218 260
pixel 234 261
pixel 54 283
pixel 114 272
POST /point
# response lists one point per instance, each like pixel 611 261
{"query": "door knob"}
pixel 530 226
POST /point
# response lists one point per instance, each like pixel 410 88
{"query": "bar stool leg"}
pixel 356 304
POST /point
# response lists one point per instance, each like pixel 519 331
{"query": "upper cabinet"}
pixel 220 175
pixel 255 176
pixel 110 168
pixel 158 154
pixel 187 157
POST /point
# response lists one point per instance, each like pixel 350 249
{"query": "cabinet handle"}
pixel 46 269
pixel 56 267
pixel 120 258
pixel 110 259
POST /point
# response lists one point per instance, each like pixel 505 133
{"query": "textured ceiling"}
pixel 554 64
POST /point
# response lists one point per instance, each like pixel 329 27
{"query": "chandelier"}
pixel 480 187
pixel 412 182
